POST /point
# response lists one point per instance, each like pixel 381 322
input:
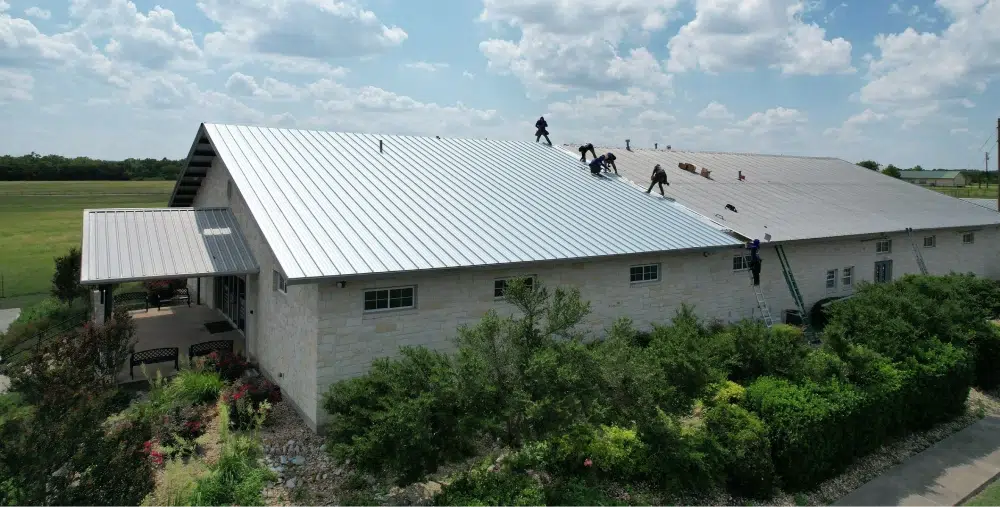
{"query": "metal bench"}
pixel 182 295
pixel 152 356
pixel 205 348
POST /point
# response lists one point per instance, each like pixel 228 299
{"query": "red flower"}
pixel 587 462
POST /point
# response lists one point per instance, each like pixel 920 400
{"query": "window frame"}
pixel 659 273
pixel 533 283
pixel 847 277
pixel 971 236
pixel 835 279
pixel 229 190
pixel 388 290
pixel 279 282
pixel 933 239
pixel 745 262
pixel 888 246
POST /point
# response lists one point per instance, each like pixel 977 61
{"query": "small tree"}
pixel 891 170
pixel 66 279
pixel 869 164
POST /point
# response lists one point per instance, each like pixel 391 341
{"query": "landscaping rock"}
pixel 315 475
pixel 283 460
pixel 291 483
pixel 421 493
pixel 299 460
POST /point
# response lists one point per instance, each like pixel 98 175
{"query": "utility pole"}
pixel 987 169
pixel 998 163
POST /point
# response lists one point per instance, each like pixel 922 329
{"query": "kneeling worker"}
pixel 610 159
pixel 598 164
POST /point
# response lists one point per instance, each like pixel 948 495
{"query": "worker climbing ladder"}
pixel 765 311
pixel 916 252
pixel 786 270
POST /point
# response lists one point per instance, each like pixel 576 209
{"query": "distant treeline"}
pixel 35 167
pixel 972 176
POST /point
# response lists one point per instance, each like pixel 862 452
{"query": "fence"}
pixel 15 353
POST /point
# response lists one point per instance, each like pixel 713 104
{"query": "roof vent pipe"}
pixel 380 146
pixel 627 145
pixel 656 146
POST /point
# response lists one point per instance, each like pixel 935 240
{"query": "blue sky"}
pixel 906 82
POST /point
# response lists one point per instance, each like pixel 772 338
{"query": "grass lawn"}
pixel 989 496
pixel 36 228
pixel 969 192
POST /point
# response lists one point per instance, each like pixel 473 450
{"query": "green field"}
pixel 989 496
pixel 969 192
pixel 40 220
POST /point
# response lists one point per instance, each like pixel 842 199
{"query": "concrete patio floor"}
pixel 177 326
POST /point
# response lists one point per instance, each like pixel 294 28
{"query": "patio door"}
pixel 883 271
pixel 231 299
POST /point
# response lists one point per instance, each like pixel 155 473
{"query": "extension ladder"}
pixel 916 252
pixel 765 311
pixel 786 270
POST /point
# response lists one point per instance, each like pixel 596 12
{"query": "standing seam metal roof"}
pixel 929 175
pixel 157 243
pixel 795 198
pixel 329 204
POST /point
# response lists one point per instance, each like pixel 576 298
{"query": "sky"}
pixel 905 82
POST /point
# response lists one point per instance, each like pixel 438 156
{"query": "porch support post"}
pixel 108 296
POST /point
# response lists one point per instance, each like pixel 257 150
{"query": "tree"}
pixel 869 164
pixel 891 170
pixel 66 280
pixel 916 168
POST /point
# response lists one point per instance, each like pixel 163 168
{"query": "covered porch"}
pixel 141 245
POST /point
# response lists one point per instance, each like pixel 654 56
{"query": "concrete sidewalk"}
pixel 947 473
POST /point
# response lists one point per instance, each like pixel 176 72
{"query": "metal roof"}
pixel 158 243
pixel 794 198
pixel 334 204
pixel 986 203
pixel 928 175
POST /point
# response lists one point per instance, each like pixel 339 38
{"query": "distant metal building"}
pixel 934 178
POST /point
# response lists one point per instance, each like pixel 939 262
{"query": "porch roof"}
pixel 123 245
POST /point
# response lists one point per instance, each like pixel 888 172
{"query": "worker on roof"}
pixel 542 129
pixel 598 164
pixel 583 152
pixel 610 162
pixel 659 176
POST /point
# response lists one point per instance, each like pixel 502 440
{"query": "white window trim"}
pixel 826 283
pixel 933 241
pixel 383 310
pixel 844 276
pixel 888 249
pixel 746 262
pixel 280 283
pixel 659 273
pixel 971 236
pixel 534 283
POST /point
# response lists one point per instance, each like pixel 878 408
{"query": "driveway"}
pixel 7 317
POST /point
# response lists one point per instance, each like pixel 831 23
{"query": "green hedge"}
pixel 817 429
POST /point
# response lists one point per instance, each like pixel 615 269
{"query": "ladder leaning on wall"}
pixel 786 271
pixel 765 311
pixel 916 252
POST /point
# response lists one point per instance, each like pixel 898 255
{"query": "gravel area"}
pixel 307 474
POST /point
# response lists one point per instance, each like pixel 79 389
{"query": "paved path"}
pixel 7 317
pixel 947 473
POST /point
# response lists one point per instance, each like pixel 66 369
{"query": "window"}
pixel 647 273
pixel 280 284
pixel 930 241
pixel 883 246
pixel 847 277
pixel 500 285
pixel 389 299
pixel 831 279
pixel 968 238
pixel 741 262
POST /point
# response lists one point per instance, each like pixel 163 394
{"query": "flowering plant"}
pixel 230 366
pixel 154 455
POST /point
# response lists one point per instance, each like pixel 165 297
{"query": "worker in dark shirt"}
pixel 659 176
pixel 542 129
pixel 610 162
pixel 754 248
pixel 583 152
pixel 597 165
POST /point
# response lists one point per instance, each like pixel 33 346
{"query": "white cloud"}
pixel 4 6
pixel 566 45
pixel 603 106
pixel 715 111
pixel 242 85
pixel 426 66
pixel 772 120
pixel 37 12
pixel 915 69
pixel 320 29
pixel 728 35
pixel 852 127
pixel 468 75
pixel 960 130
pixel 15 85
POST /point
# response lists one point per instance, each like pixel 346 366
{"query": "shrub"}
pixel 680 454
pixel 818 315
pixel 249 401
pixel 692 357
pixel 42 319
pixel 560 381
pixel 230 366
pixel 757 351
pixel 576 491
pixel 986 350
pixel 405 416
pixel 608 451
pixel 237 478
pixel 66 278
pixel 487 485
pixel 745 450
pixel 195 387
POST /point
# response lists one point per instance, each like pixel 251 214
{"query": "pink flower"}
pixel 587 462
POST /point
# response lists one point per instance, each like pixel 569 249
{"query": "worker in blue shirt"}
pixel 597 165
pixel 754 248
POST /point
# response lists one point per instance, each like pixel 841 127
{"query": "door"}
pixel 883 271
pixel 231 299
